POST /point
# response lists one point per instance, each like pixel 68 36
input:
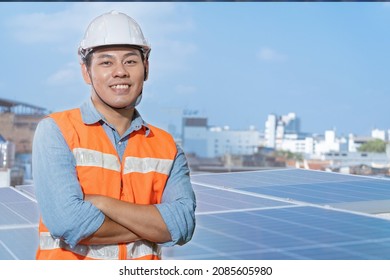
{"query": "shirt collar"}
pixel 91 115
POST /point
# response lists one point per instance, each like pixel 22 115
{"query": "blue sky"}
pixel 234 63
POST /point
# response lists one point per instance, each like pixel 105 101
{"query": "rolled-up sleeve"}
pixel 60 198
pixel 178 203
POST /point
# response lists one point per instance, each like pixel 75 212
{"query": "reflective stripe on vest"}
pixel 88 157
pixel 137 249
pixel 145 165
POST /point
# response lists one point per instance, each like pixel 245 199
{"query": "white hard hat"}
pixel 113 28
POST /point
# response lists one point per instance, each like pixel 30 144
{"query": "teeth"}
pixel 120 86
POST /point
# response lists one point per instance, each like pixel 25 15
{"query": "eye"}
pixel 105 63
pixel 130 62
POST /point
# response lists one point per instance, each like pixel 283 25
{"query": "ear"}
pixel 86 76
pixel 146 73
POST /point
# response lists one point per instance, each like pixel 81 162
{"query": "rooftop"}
pixel 16 107
pixel 272 214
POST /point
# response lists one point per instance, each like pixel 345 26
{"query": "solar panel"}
pixel 27 189
pixel 277 177
pixel 18 243
pixel 18 225
pixel 210 200
pixel 274 214
pixel 303 186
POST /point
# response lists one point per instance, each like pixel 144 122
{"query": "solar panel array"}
pixel 275 214
pixel 289 214
pixel 18 223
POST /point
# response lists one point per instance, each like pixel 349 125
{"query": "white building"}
pixel 270 131
pixel 283 133
pixel 379 134
pixel 211 142
pixel 277 127
pixel 223 141
pixel 339 151
pixel 330 143
pixel 296 144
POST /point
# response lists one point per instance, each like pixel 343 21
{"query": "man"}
pixel 110 186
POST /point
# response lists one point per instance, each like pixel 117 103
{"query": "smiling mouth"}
pixel 120 86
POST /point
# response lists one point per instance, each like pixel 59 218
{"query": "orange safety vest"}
pixel 140 178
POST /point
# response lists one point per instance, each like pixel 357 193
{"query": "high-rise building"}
pixel 292 124
pixel 270 131
pixel 277 127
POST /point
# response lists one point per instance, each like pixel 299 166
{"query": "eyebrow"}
pixel 131 53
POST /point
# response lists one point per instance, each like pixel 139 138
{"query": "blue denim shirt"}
pixel 60 197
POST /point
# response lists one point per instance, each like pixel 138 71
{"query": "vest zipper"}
pixel 122 195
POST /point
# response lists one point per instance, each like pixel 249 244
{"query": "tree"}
pixel 374 146
pixel 289 155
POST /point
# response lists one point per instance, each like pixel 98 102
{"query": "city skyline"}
pixel 234 63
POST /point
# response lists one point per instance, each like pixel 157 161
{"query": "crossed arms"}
pixel 127 222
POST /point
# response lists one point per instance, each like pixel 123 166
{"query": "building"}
pixel 18 122
pixel 270 131
pixel 348 159
pixel 329 142
pixel 325 151
pixel 379 134
pixel 296 143
pixel 194 134
pixel 277 127
pixel 205 141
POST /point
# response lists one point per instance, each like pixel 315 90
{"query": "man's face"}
pixel 117 75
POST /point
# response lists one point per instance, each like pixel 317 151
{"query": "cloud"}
pixel 55 27
pixel 161 22
pixel 268 54
pixel 44 28
pixel 69 74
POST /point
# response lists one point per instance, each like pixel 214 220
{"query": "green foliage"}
pixel 289 155
pixel 374 146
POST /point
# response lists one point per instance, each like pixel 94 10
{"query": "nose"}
pixel 120 71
